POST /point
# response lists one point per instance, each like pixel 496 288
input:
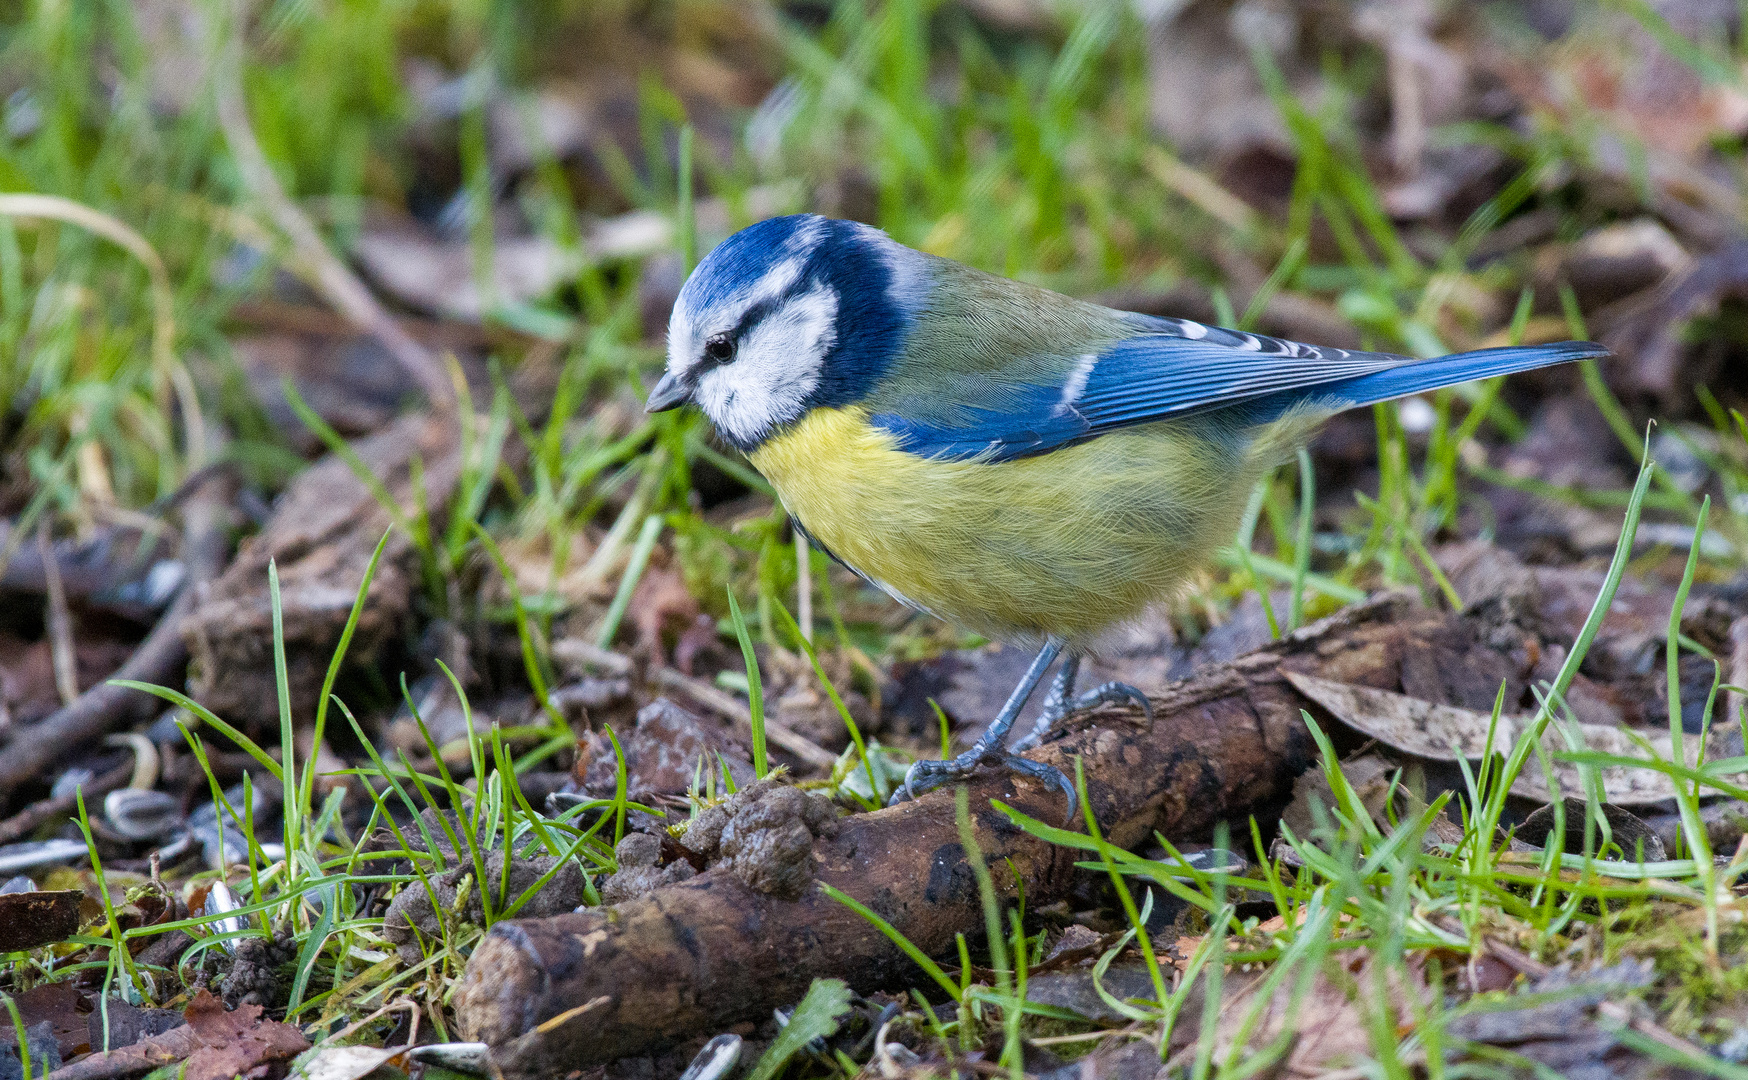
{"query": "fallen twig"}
pixel 711 951
pixel 720 701
pixel 157 659
pixel 37 814
pixel 62 650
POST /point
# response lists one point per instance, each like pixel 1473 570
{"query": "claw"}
pixel 1114 692
pixel 989 747
pixel 923 775
pixel 1048 774
pixel 933 774
pixel 1060 708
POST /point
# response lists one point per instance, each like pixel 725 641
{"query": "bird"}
pixel 1034 468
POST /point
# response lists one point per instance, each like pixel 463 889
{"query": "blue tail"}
pixel 1423 375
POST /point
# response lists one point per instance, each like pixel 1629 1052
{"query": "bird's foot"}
pixel 924 775
pixel 1057 710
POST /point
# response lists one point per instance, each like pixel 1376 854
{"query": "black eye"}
pixel 719 349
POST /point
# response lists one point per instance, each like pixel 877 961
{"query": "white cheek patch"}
pixel 776 366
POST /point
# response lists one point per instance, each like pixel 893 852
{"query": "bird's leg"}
pixel 1056 703
pixel 924 775
pixel 1061 703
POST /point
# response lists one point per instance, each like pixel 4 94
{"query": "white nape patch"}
pixel 908 284
pixel 775 368
pixel 1075 384
pixel 1195 331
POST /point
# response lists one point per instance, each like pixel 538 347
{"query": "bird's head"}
pixel 792 314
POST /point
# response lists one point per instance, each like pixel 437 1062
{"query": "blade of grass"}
pixel 755 693
pixel 1692 828
pixel 287 731
pixel 306 792
pixel 640 553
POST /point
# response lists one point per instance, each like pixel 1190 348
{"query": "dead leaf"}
pixel 661 603
pixel 344 1063
pixel 1387 801
pixel 419 268
pixel 322 534
pixel 1551 1021
pixel 1625 829
pixel 1444 732
pixel 663 754
pixel 238 1043
pixel 1074 990
pixel 128 1024
pixel 1329 1019
pixel 439 275
pixel 60 1005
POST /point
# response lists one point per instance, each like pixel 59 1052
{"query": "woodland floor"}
pixel 500 728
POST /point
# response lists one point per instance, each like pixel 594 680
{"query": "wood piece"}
pixel 711 952
pixel 321 536
pixel 30 920
pixel 158 659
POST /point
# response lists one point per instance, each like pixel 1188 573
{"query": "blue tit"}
pixel 1032 467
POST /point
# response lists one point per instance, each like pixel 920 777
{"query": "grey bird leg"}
pixel 1061 703
pixel 1057 703
pixel 923 775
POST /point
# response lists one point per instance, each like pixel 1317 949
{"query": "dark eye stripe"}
pixel 756 314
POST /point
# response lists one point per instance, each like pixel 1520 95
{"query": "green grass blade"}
pixel 755 692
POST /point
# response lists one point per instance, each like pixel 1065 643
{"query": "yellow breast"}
pixel 1065 543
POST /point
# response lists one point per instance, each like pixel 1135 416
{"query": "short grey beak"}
pixel 669 393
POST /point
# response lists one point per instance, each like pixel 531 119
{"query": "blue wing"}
pixel 1177 368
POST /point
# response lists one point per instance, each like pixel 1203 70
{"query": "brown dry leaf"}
pixel 1442 732
pixel 1621 73
pixel 322 534
pixel 238 1043
pixel 350 381
pixel 664 754
pixel 215 1045
pixel 1635 837
pixel 577 582
pixel 1183 950
pixel 27 680
pixel 1373 779
pixel 1329 1020
pixel 661 603
pixel 439 276
pixel 61 1005
pixel 419 268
